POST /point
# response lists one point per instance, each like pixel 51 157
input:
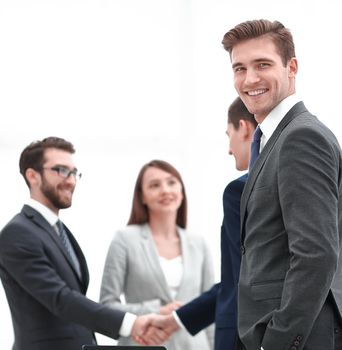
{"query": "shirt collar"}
pixel 273 119
pixel 46 213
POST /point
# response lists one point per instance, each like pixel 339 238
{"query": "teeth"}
pixel 256 92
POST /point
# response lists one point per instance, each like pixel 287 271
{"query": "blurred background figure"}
pixel 154 263
pixel 219 304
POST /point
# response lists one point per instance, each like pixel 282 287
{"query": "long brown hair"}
pixel 139 211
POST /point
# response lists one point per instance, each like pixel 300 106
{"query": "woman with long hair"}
pixel 154 264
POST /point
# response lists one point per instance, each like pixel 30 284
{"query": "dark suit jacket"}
pixel 291 234
pixel 219 304
pixel 45 295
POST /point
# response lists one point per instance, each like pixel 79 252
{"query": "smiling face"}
pixel 48 186
pixel 260 77
pixel 161 191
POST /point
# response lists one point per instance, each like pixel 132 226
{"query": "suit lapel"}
pixel 40 221
pixel 294 112
pixel 152 260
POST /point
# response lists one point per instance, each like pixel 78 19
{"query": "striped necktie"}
pixel 68 246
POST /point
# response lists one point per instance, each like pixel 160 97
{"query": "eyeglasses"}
pixel 65 172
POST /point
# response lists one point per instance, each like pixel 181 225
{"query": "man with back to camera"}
pixel 290 288
pixel 219 304
pixel 42 268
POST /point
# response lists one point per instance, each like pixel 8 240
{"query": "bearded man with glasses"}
pixel 43 269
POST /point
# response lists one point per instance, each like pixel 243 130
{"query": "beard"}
pixel 51 193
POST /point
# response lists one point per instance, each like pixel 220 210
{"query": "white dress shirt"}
pixel 273 119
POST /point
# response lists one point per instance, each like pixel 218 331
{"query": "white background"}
pixel 128 81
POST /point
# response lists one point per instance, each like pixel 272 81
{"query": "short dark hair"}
pixel 139 212
pixel 33 155
pixel 280 35
pixel 237 111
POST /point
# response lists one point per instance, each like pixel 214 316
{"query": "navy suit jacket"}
pixel 45 294
pixel 219 304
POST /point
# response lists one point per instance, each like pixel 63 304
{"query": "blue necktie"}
pixel 67 244
pixel 255 147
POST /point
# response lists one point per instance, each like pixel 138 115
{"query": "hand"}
pixel 168 308
pixel 145 332
pixel 161 328
pixel 167 323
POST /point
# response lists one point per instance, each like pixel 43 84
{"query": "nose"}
pixel 251 77
pixel 165 187
pixel 71 179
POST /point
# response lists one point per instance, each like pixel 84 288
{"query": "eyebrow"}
pixel 166 178
pixel 258 60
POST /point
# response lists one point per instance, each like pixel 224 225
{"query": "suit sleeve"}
pixel 200 312
pixel 113 280
pixel 25 259
pixel 308 185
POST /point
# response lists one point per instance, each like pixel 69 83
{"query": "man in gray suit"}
pixel 290 288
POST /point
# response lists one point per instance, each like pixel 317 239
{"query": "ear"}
pixel 293 67
pixel 243 128
pixel 32 176
pixel 250 127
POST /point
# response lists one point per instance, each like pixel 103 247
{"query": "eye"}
pixel 264 65
pixel 154 185
pixel 172 182
pixel 238 69
pixel 61 170
pixel 64 171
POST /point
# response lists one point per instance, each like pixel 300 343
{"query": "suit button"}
pixel 299 337
pixel 293 347
pixel 243 249
pixel 296 342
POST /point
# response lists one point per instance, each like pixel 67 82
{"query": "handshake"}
pixel 154 329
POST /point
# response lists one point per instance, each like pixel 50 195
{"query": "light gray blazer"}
pixel 291 216
pixel 132 269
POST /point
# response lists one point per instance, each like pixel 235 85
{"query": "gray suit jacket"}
pixel 291 234
pixel 132 268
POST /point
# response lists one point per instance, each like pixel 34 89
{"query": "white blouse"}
pixel 173 272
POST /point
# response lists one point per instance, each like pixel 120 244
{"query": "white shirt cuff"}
pixel 127 324
pixel 178 320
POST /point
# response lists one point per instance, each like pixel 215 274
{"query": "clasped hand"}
pixel 153 329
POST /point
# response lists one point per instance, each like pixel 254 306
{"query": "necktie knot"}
pixel 60 227
pixel 257 134
pixel 255 146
